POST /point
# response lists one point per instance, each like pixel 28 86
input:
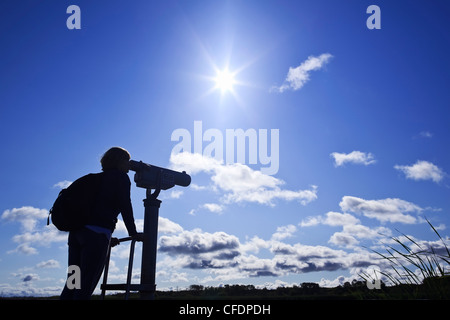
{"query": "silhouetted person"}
pixel 88 245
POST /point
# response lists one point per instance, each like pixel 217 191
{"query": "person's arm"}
pixel 125 206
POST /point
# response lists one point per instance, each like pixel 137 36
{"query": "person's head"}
pixel 116 158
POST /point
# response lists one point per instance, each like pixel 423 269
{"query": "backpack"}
pixel 74 205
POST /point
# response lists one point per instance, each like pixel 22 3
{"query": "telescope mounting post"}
pixel 149 245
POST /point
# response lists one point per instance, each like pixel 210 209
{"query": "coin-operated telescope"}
pixel 155 178
pixel 152 177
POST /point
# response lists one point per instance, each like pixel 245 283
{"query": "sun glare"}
pixel 224 80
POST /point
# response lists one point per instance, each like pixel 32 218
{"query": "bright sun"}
pixel 224 80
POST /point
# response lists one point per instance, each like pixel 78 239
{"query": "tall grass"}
pixel 420 272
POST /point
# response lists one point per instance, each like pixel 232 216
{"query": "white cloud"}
pixel 356 157
pixel 311 221
pixel 179 277
pixel 343 239
pixel 213 207
pixel 364 232
pixel 174 194
pixel 193 163
pixel 49 264
pixel 44 238
pixel 297 77
pixel 384 210
pixel 167 226
pixel 274 285
pixel 254 245
pixel 332 219
pixel 24 248
pixel 300 258
pixel 25 289
pixel 422 170
pixel 239 182
pixel 197 249
pixel 339 281
pixel 340 219
pixel 284 232
pixel 224 257
pixel 197 187
pixel 62 184
pixel 32 235
pixel 352 229
pixel 27 216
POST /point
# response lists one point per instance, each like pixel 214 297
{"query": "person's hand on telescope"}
pixel 139 236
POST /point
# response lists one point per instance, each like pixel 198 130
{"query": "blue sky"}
pixel 362 117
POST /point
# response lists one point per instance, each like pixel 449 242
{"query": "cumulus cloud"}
pixel 239 182
pixel 32 235
pixel 24 248
pixel 174 194
pixel 352 229
pixel 254 245
pixel 363 232
pixel 299 258
pixel 200 250
pixel 331 219
pixel 224 257
pixel 49 264
pixel 26 216
pixel 384 210
pixel 343 239
pixel 340 219
pixel 197 242
pixel 422 170
pixel 298 76
pixel 355 157
pixel 39 238
pixel 284 232
pixel 213 207
pixel 167 226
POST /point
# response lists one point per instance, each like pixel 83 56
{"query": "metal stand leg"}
pixel 105 273
pixel 104 285
pixel 147 287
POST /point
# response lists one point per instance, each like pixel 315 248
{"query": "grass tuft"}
pixel 423 272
